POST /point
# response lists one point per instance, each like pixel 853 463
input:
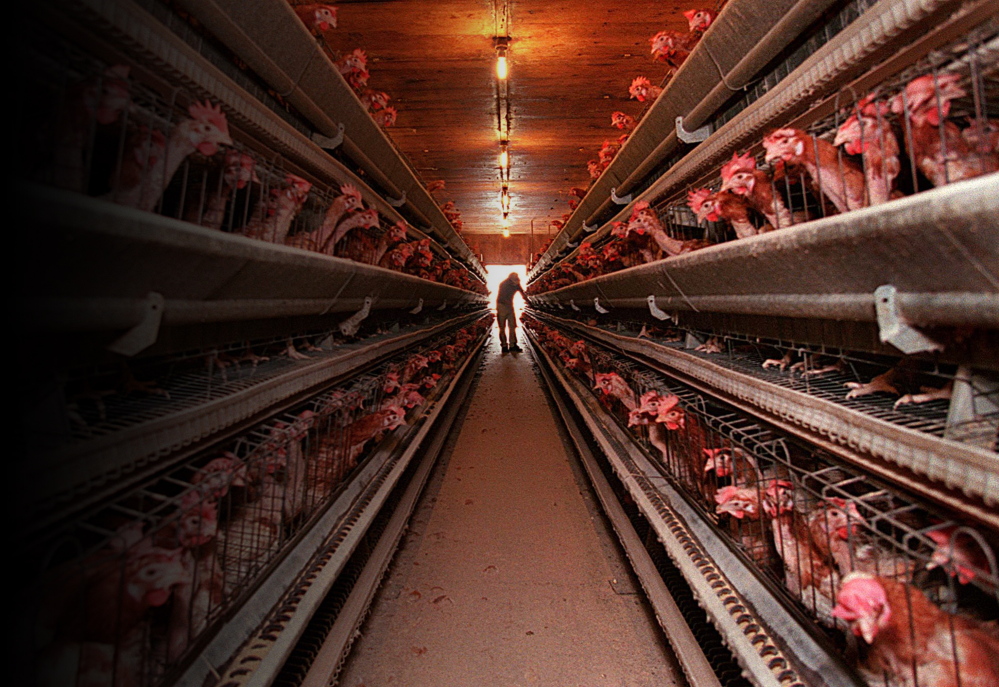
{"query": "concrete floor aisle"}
pixel 506 578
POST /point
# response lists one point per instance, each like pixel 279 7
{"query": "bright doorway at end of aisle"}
pixel 497 273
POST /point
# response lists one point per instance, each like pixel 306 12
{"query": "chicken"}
pixel 869 134
pixel 408 396
pixel 927 394
pixel 982 135
pixel 839 179
pixel 734 463
pixel 201 592
pixel 608 151
pixel 813 365
pixel 642 90
pixel 807 573
pixel 354 68
pixel 689 440
pixel 740 176
pixel 397 257
pixel 218 475
pixel 415 364
pixel 646 414
pixel 961 555
pixel 146 168
pixel 938 148
pixel 97 101
pixel 107 596
pixel 422 257
pixel 672 47
pixel 371 426
pixel 317 18
pixel 620 120
pixel 722 205
pixel 743 505
pixel 886 382
pixel 364 219
pixel 319 240
pixel 835 528
pixel 712 345
pixel 698 21
pixel 385 117
pixel 611 385
pixel 634 245
pixel 236 175
pixel 275 221
pixel 911 641
pixel 375 100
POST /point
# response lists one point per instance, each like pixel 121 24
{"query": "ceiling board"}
pixel 570 67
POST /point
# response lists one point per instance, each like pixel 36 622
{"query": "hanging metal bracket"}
pixel 619 200
pixel 572 304
pixel 695 136
pixel 397 202
pixel 973 416
pixel 590 229
pixel 144 334
pixel 658 312
pixel 417 309
pixel 443 306
pixel 326 142
pixel 892 327
pixel 350 326
pixel 571 246
pixel 600 309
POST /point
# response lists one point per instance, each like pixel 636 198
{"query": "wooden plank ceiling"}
pixel 570 67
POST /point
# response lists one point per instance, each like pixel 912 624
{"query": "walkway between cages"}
pixel 507 577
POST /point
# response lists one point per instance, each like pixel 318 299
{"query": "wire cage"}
pixel 955 402
pixel 115 132
pixel 929 125
pixel 126 591
pixel 805 521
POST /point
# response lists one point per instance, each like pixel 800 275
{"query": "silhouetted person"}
pixel 508 288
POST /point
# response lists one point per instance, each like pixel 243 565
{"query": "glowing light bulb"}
pixel 504 158
pixel 506 233
pixel 502 68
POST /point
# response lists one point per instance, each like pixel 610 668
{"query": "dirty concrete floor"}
pixel 506 577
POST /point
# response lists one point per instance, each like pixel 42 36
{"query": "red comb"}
pixel 696 198
pixel 211 114
pixel 738 163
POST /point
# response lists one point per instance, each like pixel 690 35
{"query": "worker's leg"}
pixel 503 315
pixel 513 332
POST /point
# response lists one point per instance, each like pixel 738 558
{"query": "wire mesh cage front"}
pixel 126 591
pixel 929 125
pixel 115 132
pixel 825 534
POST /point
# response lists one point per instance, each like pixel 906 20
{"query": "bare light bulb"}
pixel 502 69
pixel 504 159
pixel 506 233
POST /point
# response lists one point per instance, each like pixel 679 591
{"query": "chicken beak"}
pixel 730 509
pixel 868 627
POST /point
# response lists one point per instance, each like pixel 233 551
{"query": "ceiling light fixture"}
pixel 506 233
pixel 502 66
pixel 504 156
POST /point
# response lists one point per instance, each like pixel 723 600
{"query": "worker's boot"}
pixel 514 348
